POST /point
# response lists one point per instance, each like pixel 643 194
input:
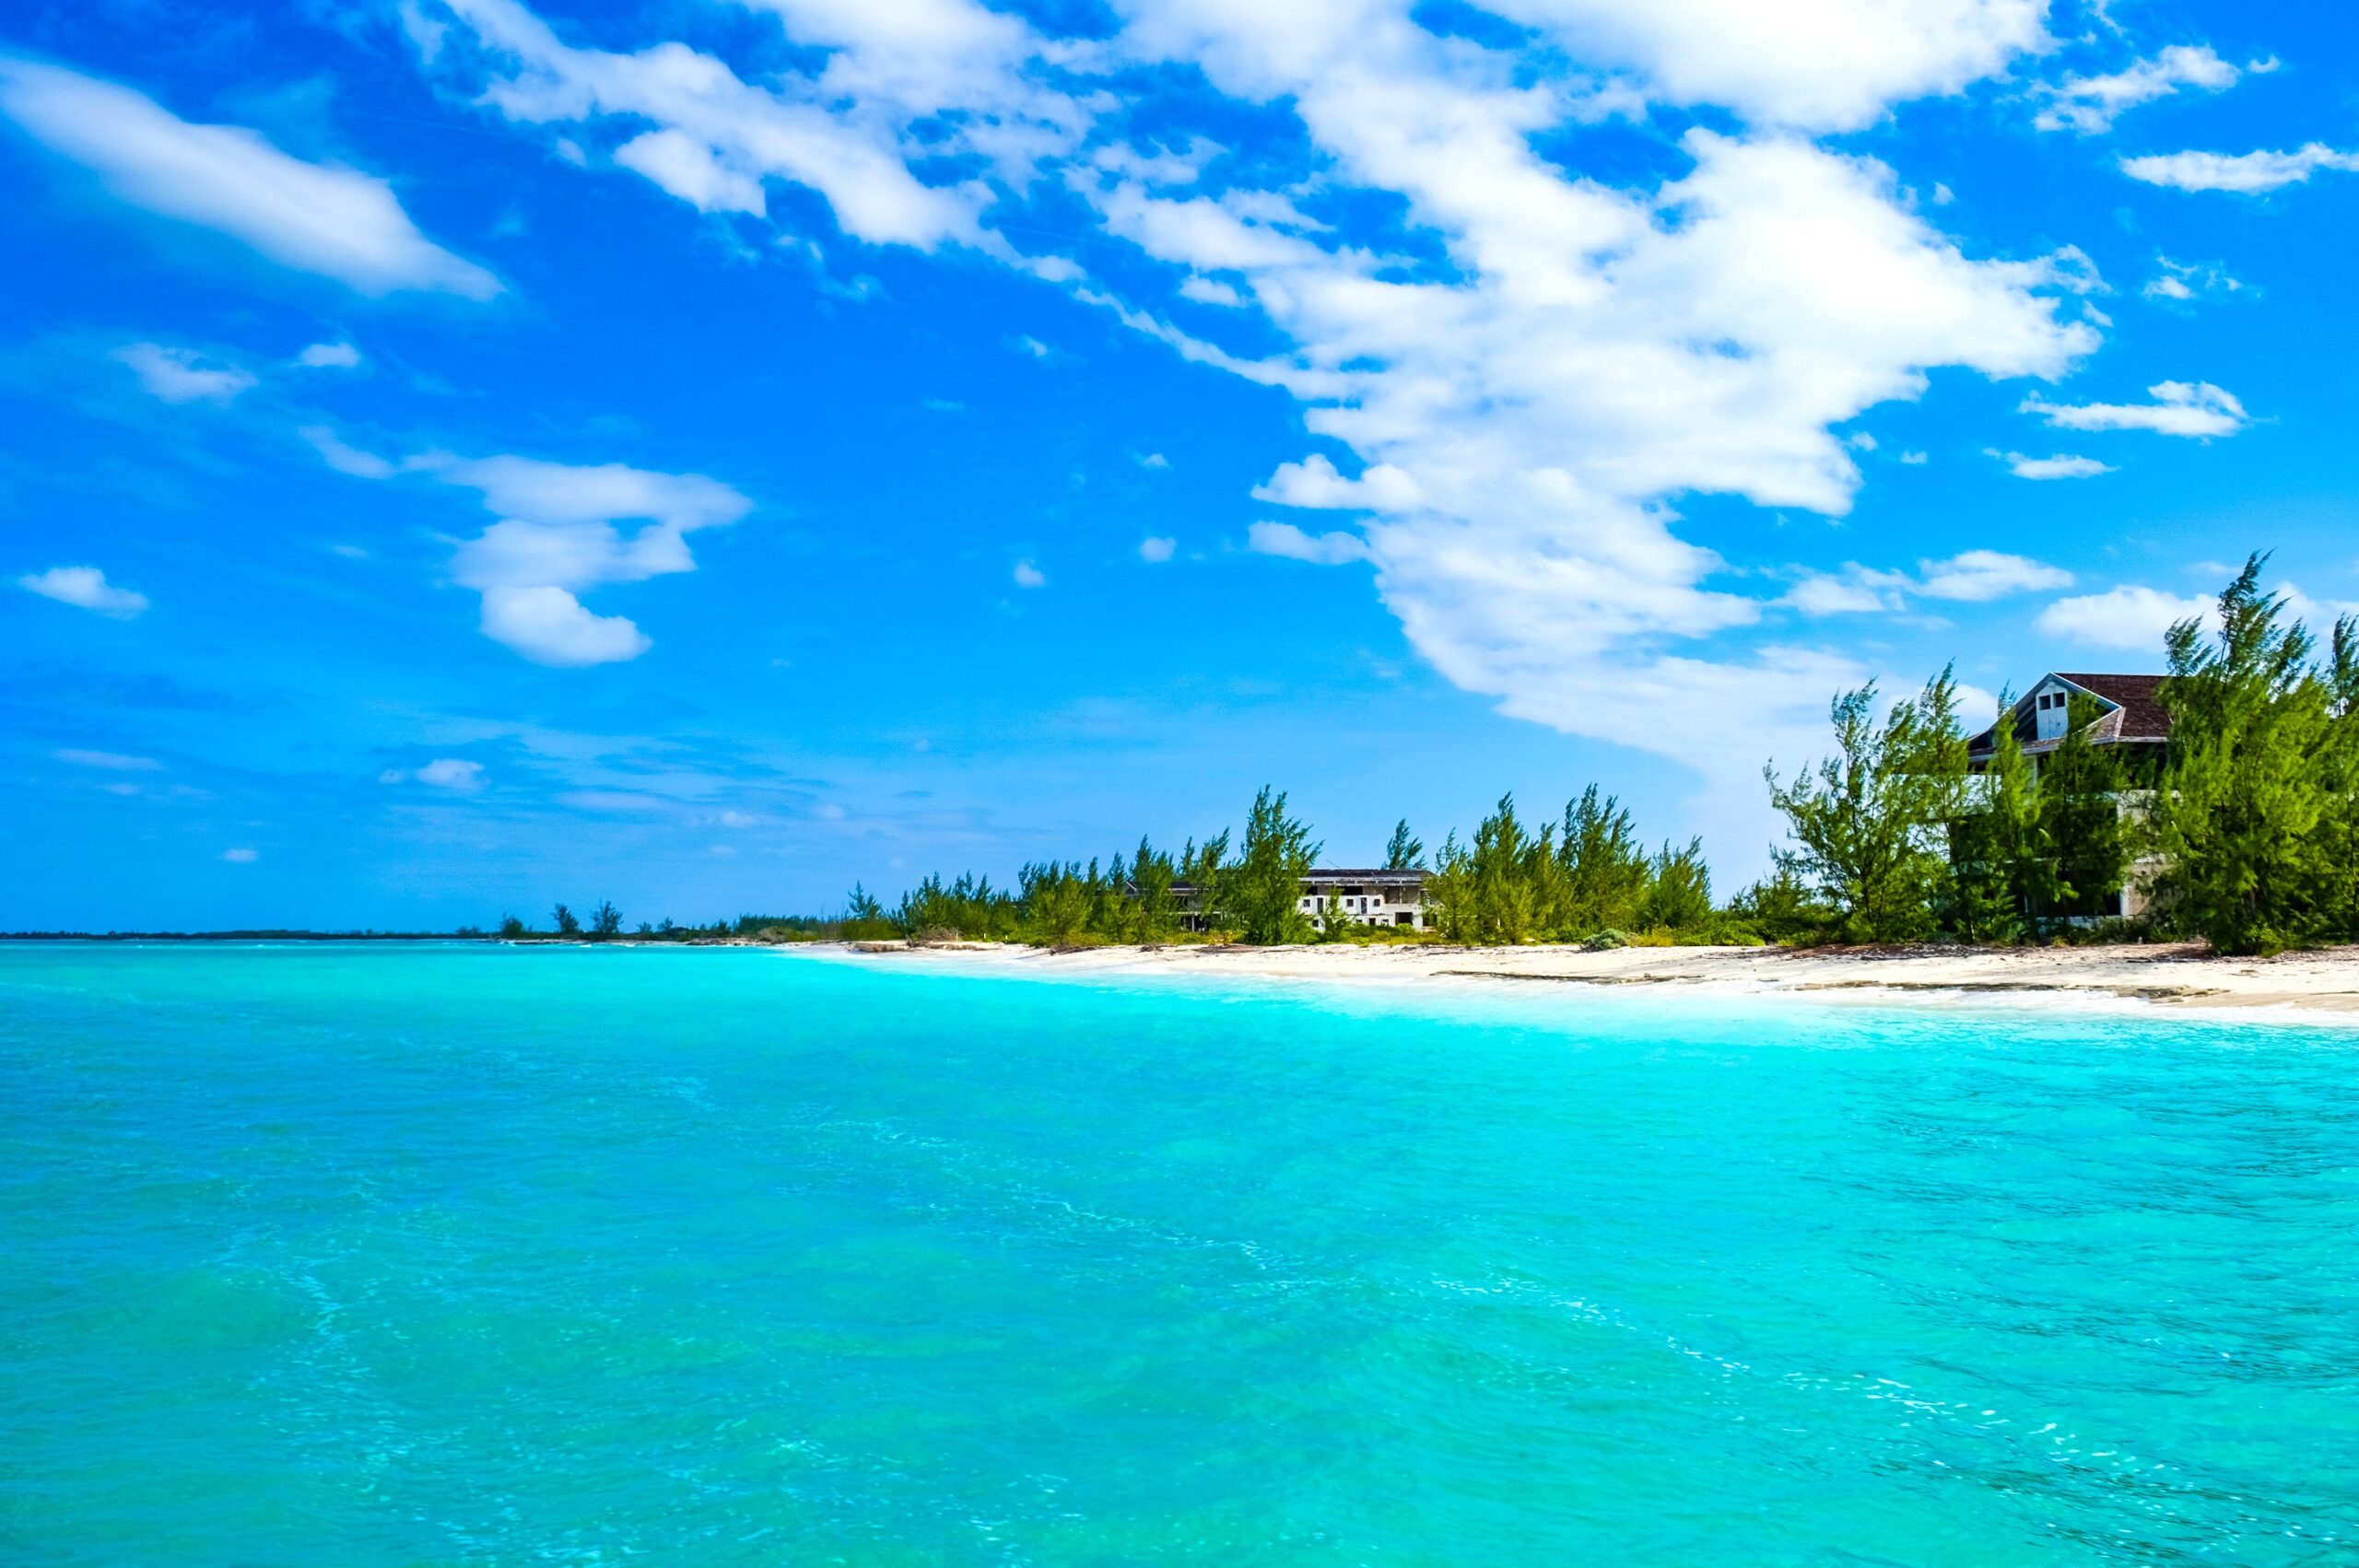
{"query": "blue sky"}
pixel 458 456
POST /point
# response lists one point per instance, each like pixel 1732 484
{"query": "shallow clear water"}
pixel 470 1255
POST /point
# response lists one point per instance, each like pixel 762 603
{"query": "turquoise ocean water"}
pixel 444 1254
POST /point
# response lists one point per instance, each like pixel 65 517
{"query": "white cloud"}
pixel 2089 104
pixel 2057 467
pixel 2132 618
pixel 1557 356
pixel 1970 577
pixel 557 536
pixel 688 169
pixel 1026 344
pixel 1914 458
pixel 181 375
pixel 452 773
pixel 2184 281
pixel 346 459
pixel 240 857
pixel 1320 549
pixel 113 762
pixel 1314 482
pixel 1157 549
pixel 1155 459
pixel 1830 64
pixel 2246 173
pixel 1210 291
pixel 720 136
pixel 2181 408
pixel 85 588
pixel 1853 592
pixel 315 218
pixel 1030 575
pixel 329 356
pixel 549 626
pixel 1975 576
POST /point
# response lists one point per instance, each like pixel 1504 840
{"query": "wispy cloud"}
pixel 85 588
pixel 2195 409
pixel 2090 104
pixel 557 537
pixel 181 375
pixel 2249 173
pixel 113 762
pixel 2056 467
pixel 1320 549
pixel 315 218
pixel 1517 409
pixel 2131 618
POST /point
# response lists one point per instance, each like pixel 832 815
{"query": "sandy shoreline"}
pixel 2179 976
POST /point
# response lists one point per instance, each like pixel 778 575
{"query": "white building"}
pixel 1367 898
pixel 2129 715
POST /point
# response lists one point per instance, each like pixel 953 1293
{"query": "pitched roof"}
pixel 2143 718
pixel 2136 714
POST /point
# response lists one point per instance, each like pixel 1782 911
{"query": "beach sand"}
pixel 2168 975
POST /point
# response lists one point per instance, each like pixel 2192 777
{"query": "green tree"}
pixel 2002 868
pixel 1679 890
pixel 1406 851
pixel 1605 868
pixel 605 920
pixel 510 927
pixel 1870 826
pixel 2080 819
pixel 1262 892
pixel 1154 909
pixel 1448 890
pixel 1496 892
pixel 567 925
pixel 1055 900
pixel 1205 868
pixel 1781 907
pixel 2245 793
pixel 2338 832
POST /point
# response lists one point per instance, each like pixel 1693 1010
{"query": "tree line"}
pixel 2246 835
pixel 1576 880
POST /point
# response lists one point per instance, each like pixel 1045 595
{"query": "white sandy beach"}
pixel 2168 975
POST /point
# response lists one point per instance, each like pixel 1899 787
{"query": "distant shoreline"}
pixel 2177 975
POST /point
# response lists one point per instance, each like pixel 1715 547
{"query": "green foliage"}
pixel 1056 900
pixel 510 927
pixel 2338 830
pixel 1513 885
pixel 1780 907
pixel 2080 824
pixel 2246 815
pixel 2003 867
pixel 1870 827
pixel 567 924
pixel 1259 894
pixel 605 920
pixel 1405 851
pixel 1678 895
pixel 1606 871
